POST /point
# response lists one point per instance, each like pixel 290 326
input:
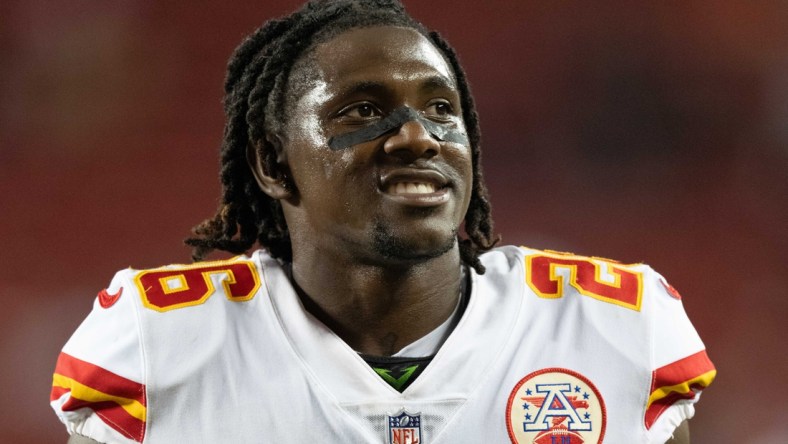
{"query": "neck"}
pixel 378 309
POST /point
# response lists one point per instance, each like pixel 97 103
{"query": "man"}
pixel 351 155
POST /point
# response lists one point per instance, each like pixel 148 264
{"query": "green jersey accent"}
pixel 397 372
pixel 399 382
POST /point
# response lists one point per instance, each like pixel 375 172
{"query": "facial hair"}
pixel 393 247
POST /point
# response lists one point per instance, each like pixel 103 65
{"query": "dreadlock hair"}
pixel 256 89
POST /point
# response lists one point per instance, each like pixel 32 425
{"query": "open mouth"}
pixel 416 187
pixel 417 194
pixel 401 188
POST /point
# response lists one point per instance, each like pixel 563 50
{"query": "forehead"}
pixel 378 54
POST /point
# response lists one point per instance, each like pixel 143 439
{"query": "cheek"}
pixel 327 176
pixel 335 163
pixel 464 164
pixel 465 169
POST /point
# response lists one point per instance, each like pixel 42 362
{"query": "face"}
pixel 400 196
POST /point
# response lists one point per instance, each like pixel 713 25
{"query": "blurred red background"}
pixel 644 131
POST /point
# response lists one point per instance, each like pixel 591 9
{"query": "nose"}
pixel 412 140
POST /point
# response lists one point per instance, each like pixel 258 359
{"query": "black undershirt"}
pixel 400 372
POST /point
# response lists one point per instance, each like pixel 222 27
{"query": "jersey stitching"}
pixel 496 359
pixel 143 356
pixel 118 428
pixel 452 335
pixel 360 427
pixel 647 278
pixel 290 342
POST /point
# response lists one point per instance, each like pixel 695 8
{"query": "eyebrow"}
pixel 363 87
pixel 437 82
pixel 429 84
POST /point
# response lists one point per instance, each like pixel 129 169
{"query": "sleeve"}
pixel 98 386
pixel 681 369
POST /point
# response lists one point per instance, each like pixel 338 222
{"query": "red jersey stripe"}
pixel 118 401
pixel 57 392
pixel 678 380
pixel 99 378
pixel 84 393
pixel 113 415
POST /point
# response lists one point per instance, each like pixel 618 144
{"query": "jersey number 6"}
pixel 171 288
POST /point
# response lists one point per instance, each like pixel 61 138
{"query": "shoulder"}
pixel 141 322
pixel 549 274
pixel 103 361
pixel 177 286
pixel 135 298
pixel 630 307
pixel 602 295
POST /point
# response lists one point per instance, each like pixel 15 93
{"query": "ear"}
pixel 273 183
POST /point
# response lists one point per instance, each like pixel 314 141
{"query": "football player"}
pixel 377 309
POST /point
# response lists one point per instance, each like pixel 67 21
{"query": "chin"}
pixel 414 248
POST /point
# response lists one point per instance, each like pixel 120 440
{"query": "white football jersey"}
pixel 551 348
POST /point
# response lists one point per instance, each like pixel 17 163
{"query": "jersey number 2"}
pixel 598 278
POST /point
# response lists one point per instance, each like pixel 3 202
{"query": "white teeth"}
pixel 411 188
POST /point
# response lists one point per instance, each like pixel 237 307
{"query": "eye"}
pixel 360 111
pixel 441 110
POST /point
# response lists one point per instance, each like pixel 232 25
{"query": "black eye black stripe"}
pixel 393 121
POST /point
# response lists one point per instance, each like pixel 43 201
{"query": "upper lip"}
pixel 413 175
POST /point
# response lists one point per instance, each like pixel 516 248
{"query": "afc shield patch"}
pixel 405 428
pixel 555 406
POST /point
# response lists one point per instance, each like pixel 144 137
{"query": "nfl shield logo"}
pixel 405 428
